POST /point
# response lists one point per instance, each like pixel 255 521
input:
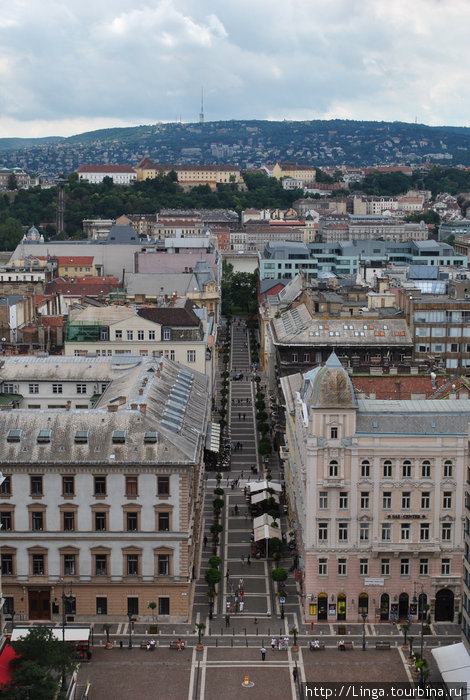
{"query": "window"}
pixel 323 500
pixel 100 485
pixel 343 532
pixel 387 500
pixel 163 522
pixel 448 469
pixel 119 437
pixel 447 500
pixel 163 564
pixel 364 532
pixel 363 567
pixel 6 520
pixel 342 567
pixel 333 433
pixel 406 500
pixel 101 564
pixel 81 388
pixel 68 485
pixel 445 567
pixel 424 531
pixel 387 469
pixel 132 522
pixel 385 567
pixel 33 388
pixel 36 486
pixel 323 567
pixel 8 605
pixel 426 469
pixel 37 520
pixel 405 532
pixel 69 521
pixel 131 486
pixel 425 500
pixel 306 357
pixel 130 335
pixel 37 565
pixel 57 388
pixel 8 388
pixel 172 354
pixel 323 532
pixel 101 606
pixel 365 469
pixel 69 565
pixel 343 500
pixel 163 485
pixel 406 469
pixel 118 335
pixel 132 564
pixel 100 521
pixel 446 534
pixel 151 335
pixel 333 468
pixel 424 567
pixel 5 488
pixel 166 334
pixel 404 567
pixel 386 532
pixel 163 606
pixel 7 564
pixel 364 500
pixel 295 357
pixel 140 335
pixel 191 356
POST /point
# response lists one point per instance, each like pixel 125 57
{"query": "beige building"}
pixel 302 173
pixel 376 498
pixel 191 175
pixel 107 500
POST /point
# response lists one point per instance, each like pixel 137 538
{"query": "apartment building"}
pixel 375 492
pixel 191 175
pixel 95 174
pixel 106 501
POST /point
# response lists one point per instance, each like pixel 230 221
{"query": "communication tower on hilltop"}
pixel 201 113
pixel 61 182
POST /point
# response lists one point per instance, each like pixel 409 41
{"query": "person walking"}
pixel 263 653
pixel 244 415
pixel 227 621
pixel 205 541
pixel 227 575
pixel 295 674
pixel 236 510
pixel 243 559
pixel 273 643
pixel 239 416
pixel 248 560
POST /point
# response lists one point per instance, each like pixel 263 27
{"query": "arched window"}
pixel 387 469
pixel 365 469
pixel 426 469
pixel 333 468
pixel 363 604
pixel 448 469
pixel 406 469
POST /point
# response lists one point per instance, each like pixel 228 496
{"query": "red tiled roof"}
pixel 402 386
pixel 105 169
pixel 170 316
pixel 52 321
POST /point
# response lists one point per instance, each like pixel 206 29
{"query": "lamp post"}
pixel 364 618
pixel 129 615
pixel 421 614
pixel 13 613
pixel 211 604
pixel 65 599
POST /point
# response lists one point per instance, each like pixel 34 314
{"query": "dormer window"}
pixel 44 436
pixel 119 437
pixel 14 436
pixel 81 437
pixel 150 438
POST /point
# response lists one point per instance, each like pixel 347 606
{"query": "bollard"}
pixel 246 641
pixel 245 631
pixel 256 631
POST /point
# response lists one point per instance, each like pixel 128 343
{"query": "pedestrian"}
pixel 239 416
pixel 248 560
pixel 231 588
pixel 205 541
pixel 227 620
pixel 227 607
pixel 236 608
pixel 273 643
pixel 241 475
pixel 263 653
pixel 227 575
pixel 279 644
pixel 231 609
pixel 255 620
pixel 241 582
pixel 242 605
pixel 236 510
pixel 244 416
pixel 243 559
pixel 295 674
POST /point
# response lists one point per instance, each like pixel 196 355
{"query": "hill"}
pixel 248 144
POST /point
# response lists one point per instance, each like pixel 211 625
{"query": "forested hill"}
pixel 247 144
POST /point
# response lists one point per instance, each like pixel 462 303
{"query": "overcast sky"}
pixel 80 65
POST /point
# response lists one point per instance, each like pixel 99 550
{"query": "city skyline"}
pixel 85 66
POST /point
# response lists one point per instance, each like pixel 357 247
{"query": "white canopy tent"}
pixel 263 485
pixel 263 496
pixel 71 634
pixel 265 532
pixel 454 664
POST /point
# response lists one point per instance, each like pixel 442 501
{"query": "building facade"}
pixel 375 493
pixel 106 502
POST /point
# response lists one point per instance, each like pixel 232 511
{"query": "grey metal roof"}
pixel 415 417
pixel 61 368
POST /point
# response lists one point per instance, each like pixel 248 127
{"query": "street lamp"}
pixel 65 599
pixel 129 615
pixel 211 594
pixel 364 618
pixel 13 613
pixel 421 614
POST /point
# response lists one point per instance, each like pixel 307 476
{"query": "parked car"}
pixel 237 376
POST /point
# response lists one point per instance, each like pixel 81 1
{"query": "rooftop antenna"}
pixel 201 113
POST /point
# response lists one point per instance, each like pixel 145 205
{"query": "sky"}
pixel 81 65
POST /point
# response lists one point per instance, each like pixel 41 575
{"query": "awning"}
pixel 262 485
pixel 213 437
pixel 264 519
pixel 265 532
pixel 263 496
pixel 6 657
pixel 454 664
pixel 71 634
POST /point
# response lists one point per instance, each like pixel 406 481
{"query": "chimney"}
pixel 121 400
pixel 134 406
pixel 158 371
pixel 68 405
pixel 143 408
pixel 112 407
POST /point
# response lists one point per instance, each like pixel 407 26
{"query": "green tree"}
pixel 279 575
pixel 213 576
pixel 12 183
pixel 11 234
